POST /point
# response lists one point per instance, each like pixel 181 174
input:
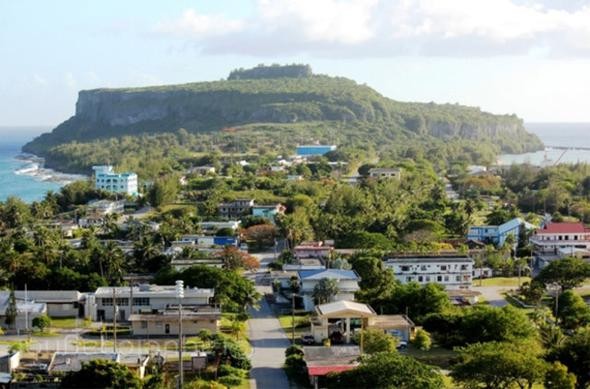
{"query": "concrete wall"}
pixel 158 328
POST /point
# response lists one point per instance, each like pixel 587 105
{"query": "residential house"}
pixel 496 235
pixel 106 207
pixel 321 361
pixel 106 179
pixel 202 170
pixel 381 173
pixel 235 209
pixel 314 150
pixel 347 284
pixel 451 271
pixel 144 299
pixel 269 212
pixel 165 322
pixel 211 227
pixel 313 249
pixel 60 303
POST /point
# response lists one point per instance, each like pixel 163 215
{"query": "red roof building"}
pixel 553 237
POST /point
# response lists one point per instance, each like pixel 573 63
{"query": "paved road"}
pixel 493 294
pixel 268 340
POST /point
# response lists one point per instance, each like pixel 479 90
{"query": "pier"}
pixel 567 148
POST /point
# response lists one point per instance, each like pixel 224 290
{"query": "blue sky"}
pixel 505 56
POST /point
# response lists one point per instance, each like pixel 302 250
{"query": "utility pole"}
pixel 293 318
pixel 115 311
pixel 180 295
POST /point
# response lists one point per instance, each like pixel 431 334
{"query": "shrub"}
pixel 422 340
pixel 230 380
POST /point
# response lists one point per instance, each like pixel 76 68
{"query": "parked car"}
pixel 307 339
pixel 402 345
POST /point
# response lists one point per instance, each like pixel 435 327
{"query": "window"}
pixel 446 278
pixel 420 278
pixel 457 278
pixel 427 278
pixel 438 278
pixel 423 267
pixel 443 267
pixel 107 302
pixel 405 268
pixel 144 324
pixel 141 301
pixel 463 267
pixel 409 279
pixel 122 301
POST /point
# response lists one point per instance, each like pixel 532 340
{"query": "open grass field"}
pixel 501 281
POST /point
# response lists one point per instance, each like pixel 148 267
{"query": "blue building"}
pixel 314 150
pixel 495 235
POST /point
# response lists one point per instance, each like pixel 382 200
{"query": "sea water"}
pixel 570 135
pixel 24 175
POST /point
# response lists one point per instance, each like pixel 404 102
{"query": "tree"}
pixel 557 377
pixel 422 340
pixel 417 300
pixel 575 354
pixel 388 370
pixel 376 341
pixel 262 234
pixel 42 322
pixel 568 273
pixel 325 290
pixel 163 191
pixel 572 311
pixel 377 281
pixel 101 374
pixel 233 258
pixel 496 365
pixel 11 311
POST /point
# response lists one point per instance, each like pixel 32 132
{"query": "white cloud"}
pixel 390 28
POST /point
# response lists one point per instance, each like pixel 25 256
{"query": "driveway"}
pixel 269 342
pixel 493 294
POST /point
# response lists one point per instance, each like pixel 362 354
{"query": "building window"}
pixel 446 278
pixel 443 267
pixel 141 301
pixel 423 267
pixel 463 267
pixel 405 268
pixel 427 278
pixel 409 279
pixel 438 278
pixel 457 278
pixel 420 278
pixel 144 324
pixel 107 302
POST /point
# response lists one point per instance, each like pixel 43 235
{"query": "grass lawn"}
pixel 93 343
pixel 302 325
pixel 69 323
pixel 436 356
pixel 501 281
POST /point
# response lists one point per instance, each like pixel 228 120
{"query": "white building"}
pixel 27 310
pixel 553 237
pixel 60 303
pixel 106 179
pixel 145 299
pixel 453 272
pixel 347 284
pixel 379 173
pixel 211 227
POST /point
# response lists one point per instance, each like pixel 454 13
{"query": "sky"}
pixel 525 57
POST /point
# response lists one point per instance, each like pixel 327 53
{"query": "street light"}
pixel 180 296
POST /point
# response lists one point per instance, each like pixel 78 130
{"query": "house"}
pixel 27 311
pixel 202 170
pixel 269 212
pixel 347 284
pixel 496 235
pixel 313 249
pixel 106 179
pixel 321 361
pixel 165 323
pixel 60 303
pixel 381 173
pixel 144 299
pixel 314 150
pixel 211 228
pixel 305 264
pixel 294 177
pixel 451 271
pixel 106 207
pixel 235 209
pixel 64 362
pixel 9 362
pixel 474 170
pixel 553 236
pixel 206 241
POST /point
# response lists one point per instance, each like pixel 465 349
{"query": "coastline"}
pixel 34 166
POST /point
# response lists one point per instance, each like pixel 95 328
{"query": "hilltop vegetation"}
pixel 273 108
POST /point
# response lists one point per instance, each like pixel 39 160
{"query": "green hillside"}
pixel 290 106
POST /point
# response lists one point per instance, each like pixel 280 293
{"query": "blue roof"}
pixel 510 225
pixel 318 274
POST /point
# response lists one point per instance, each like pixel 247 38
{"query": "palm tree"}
pixel 144 250
pixel 113 261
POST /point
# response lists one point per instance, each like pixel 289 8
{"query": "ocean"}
pixel 24 176
pixel 555 134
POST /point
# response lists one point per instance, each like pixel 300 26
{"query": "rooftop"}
pixel 72 361
pixel 318 274
pixel 150 289
pixel 430 259
pixel 563 228
pixel 344 307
